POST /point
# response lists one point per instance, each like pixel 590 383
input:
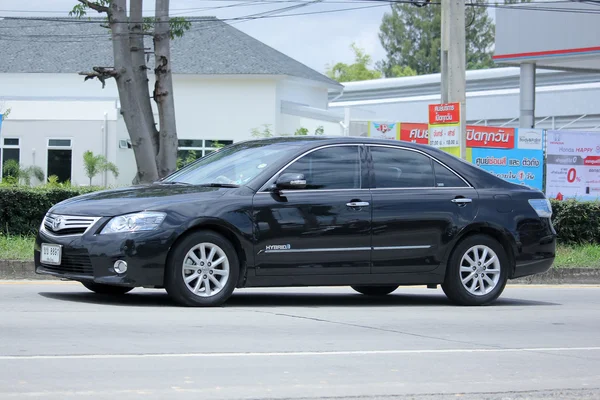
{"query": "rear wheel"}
pixel 106 289
pixel 477 271
pixel 202 271
pixel 375 290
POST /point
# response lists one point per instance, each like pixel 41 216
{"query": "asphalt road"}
pixel 59 341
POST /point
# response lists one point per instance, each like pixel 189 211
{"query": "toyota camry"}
pixel 305 211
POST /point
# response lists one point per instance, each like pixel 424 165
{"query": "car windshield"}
pixel 233 165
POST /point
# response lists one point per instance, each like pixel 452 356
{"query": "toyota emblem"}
pixel 56 223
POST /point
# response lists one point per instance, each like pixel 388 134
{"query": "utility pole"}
pixel 453 56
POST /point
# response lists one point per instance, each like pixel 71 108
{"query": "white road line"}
pixel 296 353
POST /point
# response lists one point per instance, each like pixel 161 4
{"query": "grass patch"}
pixel 577 256
pixel 16 247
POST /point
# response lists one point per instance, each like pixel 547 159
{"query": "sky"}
pixel 316 40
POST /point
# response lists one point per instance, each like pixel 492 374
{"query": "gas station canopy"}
pixel 552 35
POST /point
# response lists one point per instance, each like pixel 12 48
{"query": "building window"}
pixel 60 159
pixel 10 151
pixel 190 150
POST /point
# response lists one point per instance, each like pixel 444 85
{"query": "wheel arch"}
pixel 223 229
pixel 498 233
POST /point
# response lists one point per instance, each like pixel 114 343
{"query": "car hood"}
pixel 109 203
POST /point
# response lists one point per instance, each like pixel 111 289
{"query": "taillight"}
pixel 542 207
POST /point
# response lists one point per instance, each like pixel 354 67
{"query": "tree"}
pixel 15 173
pixel 411 37
pixel 359 71
pixel 155 152
pixel 95 164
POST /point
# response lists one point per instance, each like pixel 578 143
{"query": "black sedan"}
pixel 305 211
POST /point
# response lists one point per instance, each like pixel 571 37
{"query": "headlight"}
pixel 137 222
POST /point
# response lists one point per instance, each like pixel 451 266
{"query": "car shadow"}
pixel 273 300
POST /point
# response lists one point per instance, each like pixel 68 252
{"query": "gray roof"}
pixel 209 47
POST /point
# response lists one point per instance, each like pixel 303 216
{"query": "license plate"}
pixel 51 254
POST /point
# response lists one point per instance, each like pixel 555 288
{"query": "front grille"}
pixel 62 225
pixel 73 262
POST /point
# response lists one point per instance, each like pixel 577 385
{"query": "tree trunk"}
pixel 140 69
pixel 163 91
pixel 137 126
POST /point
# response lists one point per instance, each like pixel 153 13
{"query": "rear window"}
pixel 446 178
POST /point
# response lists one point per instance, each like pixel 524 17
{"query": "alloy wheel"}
pixel 480 270
pixel 205 269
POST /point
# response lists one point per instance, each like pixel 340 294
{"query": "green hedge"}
pixel 22 208
pixel 576 222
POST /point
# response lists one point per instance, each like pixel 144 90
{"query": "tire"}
pixel 106 289
pixel 375 290
pixel 460 267
pixel 199 271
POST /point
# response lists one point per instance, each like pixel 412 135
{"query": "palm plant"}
pixel 13 172
pixel 95 164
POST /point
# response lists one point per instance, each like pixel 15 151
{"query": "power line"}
pixel 45 38
pixel 277 13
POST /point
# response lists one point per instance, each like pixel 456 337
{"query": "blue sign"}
pixel 523 164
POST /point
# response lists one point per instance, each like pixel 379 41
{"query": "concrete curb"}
pixel 24 270
pixel 20 270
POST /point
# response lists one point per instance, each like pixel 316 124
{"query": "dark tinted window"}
pixel 59 164
pixel 397 168
pixel 446 178
pixel 59 142
pixel 330 168
pixel 11 154
pixel 189 143
pixel 11 142
pixel 216 142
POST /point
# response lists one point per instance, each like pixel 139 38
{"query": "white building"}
pixel 225 82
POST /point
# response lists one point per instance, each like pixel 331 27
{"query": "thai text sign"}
pixel 573 165
pixel 444 127
pixel 442 114
pixel 517 156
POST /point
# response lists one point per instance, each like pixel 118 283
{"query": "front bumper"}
pixel 90 257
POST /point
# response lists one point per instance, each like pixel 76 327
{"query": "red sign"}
pixel 591 160
pixel 416 133
pixel 490 137
pixel 440 114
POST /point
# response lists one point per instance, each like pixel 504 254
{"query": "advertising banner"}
pixel 444 127
pixel 515 155
pixel 383 130
pixel 573 165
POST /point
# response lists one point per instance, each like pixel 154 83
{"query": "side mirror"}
pixel 290 181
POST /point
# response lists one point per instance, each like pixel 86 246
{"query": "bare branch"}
pixel 100 73
pixel 94 6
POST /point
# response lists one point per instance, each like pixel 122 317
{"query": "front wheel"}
pixel 375 290
pixel 202 270
pixel 106 289
pixel 477 271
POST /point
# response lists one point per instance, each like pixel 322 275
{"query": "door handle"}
pixel 357 204
pixel 461 200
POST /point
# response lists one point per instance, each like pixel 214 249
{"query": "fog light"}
pixel 120 267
